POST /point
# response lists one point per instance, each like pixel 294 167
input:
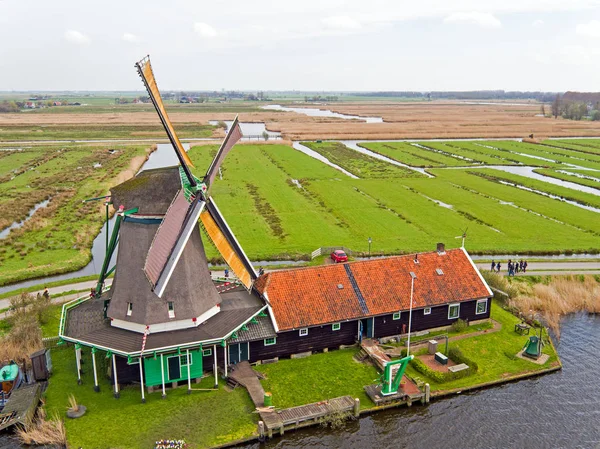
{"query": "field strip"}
pixel 354 146
pixel 298 146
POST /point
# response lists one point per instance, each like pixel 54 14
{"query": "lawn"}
pixel 494 353
pixel 202 419
pixel 317 378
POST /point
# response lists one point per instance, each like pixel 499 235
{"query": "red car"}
pixel 339 256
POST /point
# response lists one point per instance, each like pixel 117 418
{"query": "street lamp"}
pixel 413 276
pixel 370 246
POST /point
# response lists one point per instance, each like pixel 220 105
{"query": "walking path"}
pixel 243 374
pixel 548 268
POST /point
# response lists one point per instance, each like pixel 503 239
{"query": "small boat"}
pixel 10 378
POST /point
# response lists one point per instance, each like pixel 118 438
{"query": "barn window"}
pixel 171 309
pixel 336 326
pixel 481 306
pixel 183 360
pixel 396 316
pixel 453 311
pixel 207 352
pixel 427 311
pixel 270 341
pixel 304 332
pixel 129 309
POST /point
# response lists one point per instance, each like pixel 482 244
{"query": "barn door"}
pixel 234 354
pixel 174 368
pixel 244 351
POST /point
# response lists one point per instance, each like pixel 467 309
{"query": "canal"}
pixel 559 410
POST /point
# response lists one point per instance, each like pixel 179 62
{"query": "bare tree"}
pixel 543 110
pixel 556 106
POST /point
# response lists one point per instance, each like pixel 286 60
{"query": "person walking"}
pixel 516 267
pixel 498 267
pixel 46 293
pixel 524 266
pixel 493 265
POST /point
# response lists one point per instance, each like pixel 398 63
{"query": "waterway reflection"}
pixel 559 410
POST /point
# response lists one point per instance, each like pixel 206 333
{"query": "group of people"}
pixel 513 267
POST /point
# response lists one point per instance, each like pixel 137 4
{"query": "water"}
pixel 164 156
pixel 314 112
pixel 250 130
pixel 353 144
pixel 559 410
pixel 16 225
pixel 304 149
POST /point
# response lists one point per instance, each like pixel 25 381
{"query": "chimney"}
pixel 416 258
pixel 441 248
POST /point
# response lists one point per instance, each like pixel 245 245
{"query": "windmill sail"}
pixel 170 240
pixel 226 243
pixel 145 71
pixel 233 135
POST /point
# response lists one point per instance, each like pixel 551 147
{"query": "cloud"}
pixel 537 23
pixel 129 37
pixel 590 29
pixel 204 29
pixel 341 23
pixel 76 37
pixel 482 19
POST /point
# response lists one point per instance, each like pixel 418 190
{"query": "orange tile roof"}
pixel 310 296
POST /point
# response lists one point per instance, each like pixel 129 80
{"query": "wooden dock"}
pixel 21 406
pixel 292 417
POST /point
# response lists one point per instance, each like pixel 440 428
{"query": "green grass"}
pixel 202 419
pixel 39 287
pixel 99 131
pixel 318 377
pixel 493 353
pixel 569 177
pixel 412 155
pixel 359 164
pixel 49 326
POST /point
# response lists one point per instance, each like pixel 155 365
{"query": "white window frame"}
pixel 207 352
pixel 303 332
pixel 186 360
pixel 272 343
pixel 481 301
pixel 427 311
pixel 396 316
pixel 450 307
pixel 129 308
pixel 171 309
pixel 336 326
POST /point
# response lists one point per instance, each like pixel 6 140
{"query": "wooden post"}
pixel 225 358
pixel 142 379
pixel 78 362
pixel 281 430
pixel 162 376
pixel 189 367
pixel 261 431
pixel 215 366
pixel 427 393
pixel 356 407
pixel 96 386
pixel 116 394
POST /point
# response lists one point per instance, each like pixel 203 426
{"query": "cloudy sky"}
pixel 551 45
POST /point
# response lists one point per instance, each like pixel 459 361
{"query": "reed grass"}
pixel 44 431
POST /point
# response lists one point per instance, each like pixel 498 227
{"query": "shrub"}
pixel 459 325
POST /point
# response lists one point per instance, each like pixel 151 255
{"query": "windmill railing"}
pixel 329 249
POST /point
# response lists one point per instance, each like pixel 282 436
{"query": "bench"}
pixel 457 368
pixel 522 328
pixel 441 358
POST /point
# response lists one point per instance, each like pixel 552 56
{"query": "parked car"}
pixel 339 256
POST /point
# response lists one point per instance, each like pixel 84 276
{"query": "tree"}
pixel 265 135
pixel 543 110
pixel 556 106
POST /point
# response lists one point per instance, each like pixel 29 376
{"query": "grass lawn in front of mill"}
pixel 202 418
pixel 494 353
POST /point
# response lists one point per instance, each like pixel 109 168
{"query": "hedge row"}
pixel 456 356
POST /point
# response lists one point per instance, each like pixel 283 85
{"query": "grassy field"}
pixel 585 181
pixel 494 354
pixel 274 218
pixel 57 238
pixel 202 419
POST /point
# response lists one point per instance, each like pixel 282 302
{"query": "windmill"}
pixel 192 203
pixel 463 237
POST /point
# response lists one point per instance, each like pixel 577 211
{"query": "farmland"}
pixel 283 204
pixel 58 237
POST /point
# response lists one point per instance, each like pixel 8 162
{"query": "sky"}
pixel 307 45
